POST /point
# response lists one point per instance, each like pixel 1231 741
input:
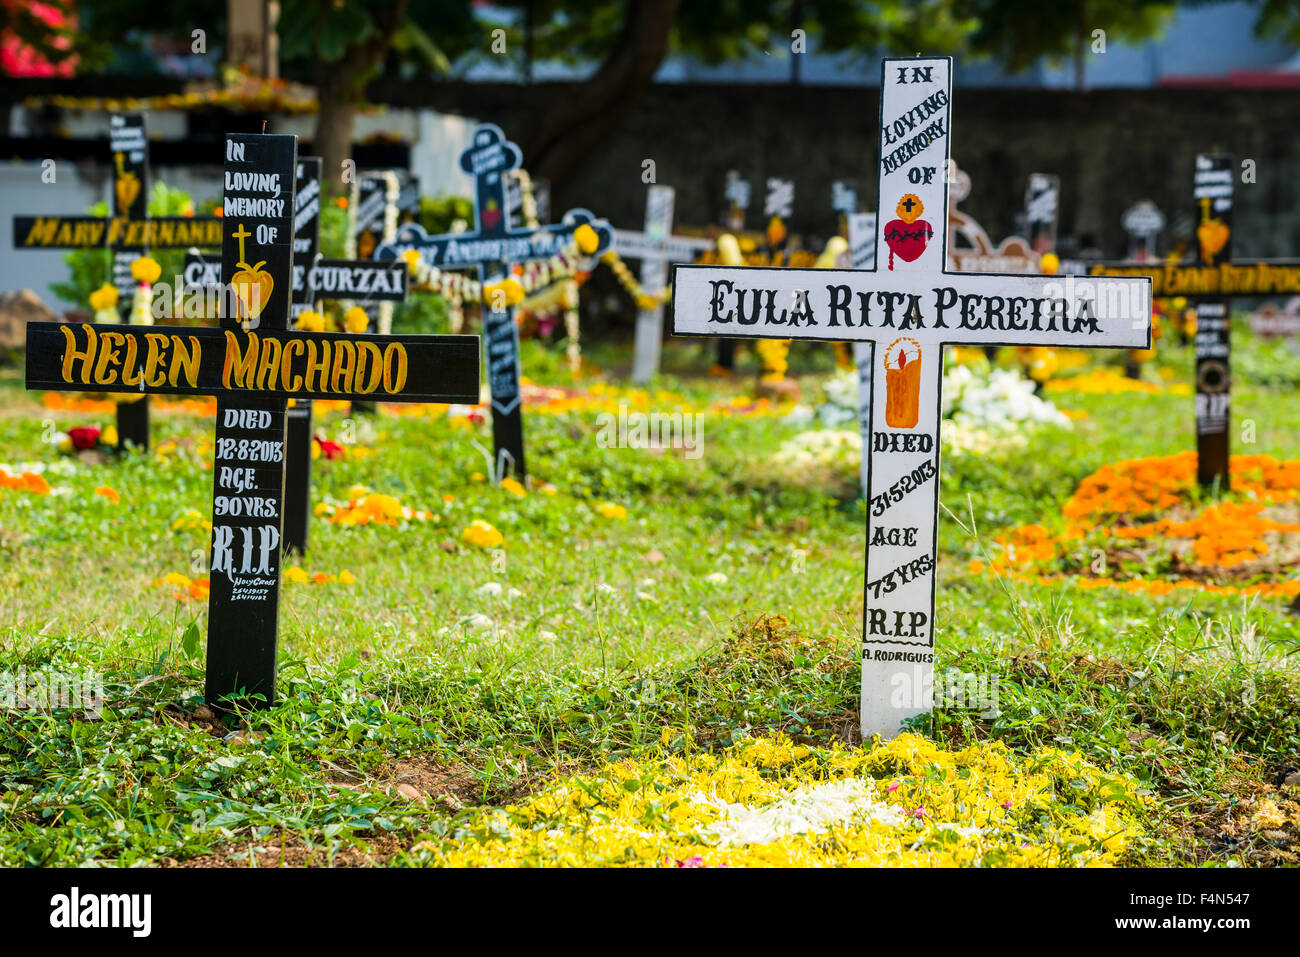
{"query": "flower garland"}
pixel 238 90
pixel 1106 381
pixel 1107 508
pixel 83 438
pixel 459 289
pixel 367 507
pixel 769 802
pixel 24 481
pixel 643 298
pixel 527 199
pixel 145 271
pixel 103 303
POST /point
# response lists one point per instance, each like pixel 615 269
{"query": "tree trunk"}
pixel 340 88
pixel 333 140
pixel 580 119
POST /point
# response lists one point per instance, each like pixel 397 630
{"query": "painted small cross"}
pixel 253 364
pixel 491 248
pixel 905 316
pixel 128 234
pixel 1210 281
pixel 656 247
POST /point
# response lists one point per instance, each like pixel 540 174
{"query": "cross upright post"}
pixel 1211 281
pixel 656 247
pixel 491 248
pixel 313 278
pixel 905 311
pixel 128 141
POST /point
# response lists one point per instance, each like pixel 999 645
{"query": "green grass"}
pixel 390 680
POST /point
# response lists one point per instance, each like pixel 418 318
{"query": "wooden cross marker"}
pixel 129 233
pixel 490 249
pixel 1042 201
pixel 313 278
pixel 906 310
pixel 844 201
pixel 737 193
pixel 1143 222
pixel 1210 281
pixel 372 218
pixel 253 364
pixel 656 247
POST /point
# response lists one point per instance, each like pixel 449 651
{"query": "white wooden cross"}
pixel 906 310
pixel 656 248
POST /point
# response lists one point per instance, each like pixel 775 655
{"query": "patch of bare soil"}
pixel 290 851
pixel 1257 820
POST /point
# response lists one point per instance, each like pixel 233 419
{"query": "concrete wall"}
pixel 1110 148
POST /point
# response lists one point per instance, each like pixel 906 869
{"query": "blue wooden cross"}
pixel 491 248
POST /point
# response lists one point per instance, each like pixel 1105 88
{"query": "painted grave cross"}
pixel 129 233
pixel 313 278
pixel 491 248
pixel 1211 280
pixel 1143 222
pixel 905 311
pixel 372 218
pixel 1042 202
pixel 253 364
pixel 656 247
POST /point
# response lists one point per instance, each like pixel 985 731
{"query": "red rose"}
pixel 331 450
pixel 84 437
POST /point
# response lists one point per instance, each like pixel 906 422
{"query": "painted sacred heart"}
pixel 252 288
pixel 1213 236
pixel 126 184
pixel 491 215
pixel 908 235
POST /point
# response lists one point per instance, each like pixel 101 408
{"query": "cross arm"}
pixel 274 364
pixel 365 280
pixel 465 250
pixel 91 232
pixel 1261 277
pixel 970 308
pixel 634 245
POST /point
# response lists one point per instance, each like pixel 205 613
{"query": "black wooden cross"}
pixel 253 363
pixel 491 248
pixel 128 233
pixel 313 279
pixel 1211 280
